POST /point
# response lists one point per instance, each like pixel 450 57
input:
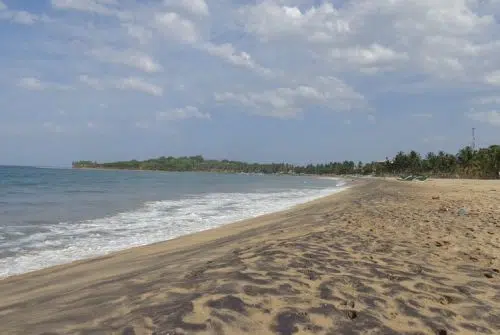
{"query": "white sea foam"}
pixel 154 222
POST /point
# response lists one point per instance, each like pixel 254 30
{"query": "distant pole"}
pixel 473 138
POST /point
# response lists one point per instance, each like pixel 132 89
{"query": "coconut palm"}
pixel 466 160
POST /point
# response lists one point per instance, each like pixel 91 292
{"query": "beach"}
pixel 382 257
pixel 57 216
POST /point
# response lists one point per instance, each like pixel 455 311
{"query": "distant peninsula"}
pixel 191 163
pixel 467 163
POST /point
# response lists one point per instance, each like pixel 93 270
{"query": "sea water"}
pixel 55 216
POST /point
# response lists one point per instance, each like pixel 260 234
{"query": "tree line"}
pixel 467 163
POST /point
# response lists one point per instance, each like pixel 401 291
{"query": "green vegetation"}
pixel 467 163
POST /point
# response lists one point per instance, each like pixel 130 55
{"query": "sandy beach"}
pixel 383 257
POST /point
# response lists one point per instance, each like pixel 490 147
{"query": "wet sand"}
pixel 384 257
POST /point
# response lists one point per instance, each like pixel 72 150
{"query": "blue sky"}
pixel 274 80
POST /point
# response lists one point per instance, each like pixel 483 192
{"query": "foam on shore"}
pixel 157 221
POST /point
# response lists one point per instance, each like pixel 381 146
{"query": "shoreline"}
pixel 214 172
pixel 383 256
pixel 335 190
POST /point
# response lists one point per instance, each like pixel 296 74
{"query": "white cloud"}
pixel 35 84
pixel 174 26
pixel 442 66
pixel 289 102
pixel 23 17
pixel 3 6
pixel 487 100
pixel 197 7
pixel 31 83
pixel 138 84
pixel 140 33
pixel 92 82
pixel 179 28
pixel 493 78
pixel 227 52
pixel 131 58
pixel 438 39
pixel 267 103
pixel 182 113
pixel 128 83
pixel 311 56
pixel 370 56
pixel 91 6
pixel 272 20
pixel 492 117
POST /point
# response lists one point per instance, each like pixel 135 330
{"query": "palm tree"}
pixel 496 153
pixel 400 162
pixel 431 162
pixel 466 159
pixel 493 168
pixel 414 161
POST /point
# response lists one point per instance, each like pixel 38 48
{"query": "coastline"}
pixel 386 255
pixel 258 207
pixel 198 171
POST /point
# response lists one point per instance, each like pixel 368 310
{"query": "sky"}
pixel 268 81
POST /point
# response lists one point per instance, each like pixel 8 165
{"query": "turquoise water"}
pixel 54 216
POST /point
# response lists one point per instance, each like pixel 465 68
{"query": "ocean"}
pixel 55 216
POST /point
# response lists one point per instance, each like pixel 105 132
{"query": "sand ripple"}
pixel 384 258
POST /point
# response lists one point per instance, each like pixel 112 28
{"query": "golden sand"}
pixel 384 257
